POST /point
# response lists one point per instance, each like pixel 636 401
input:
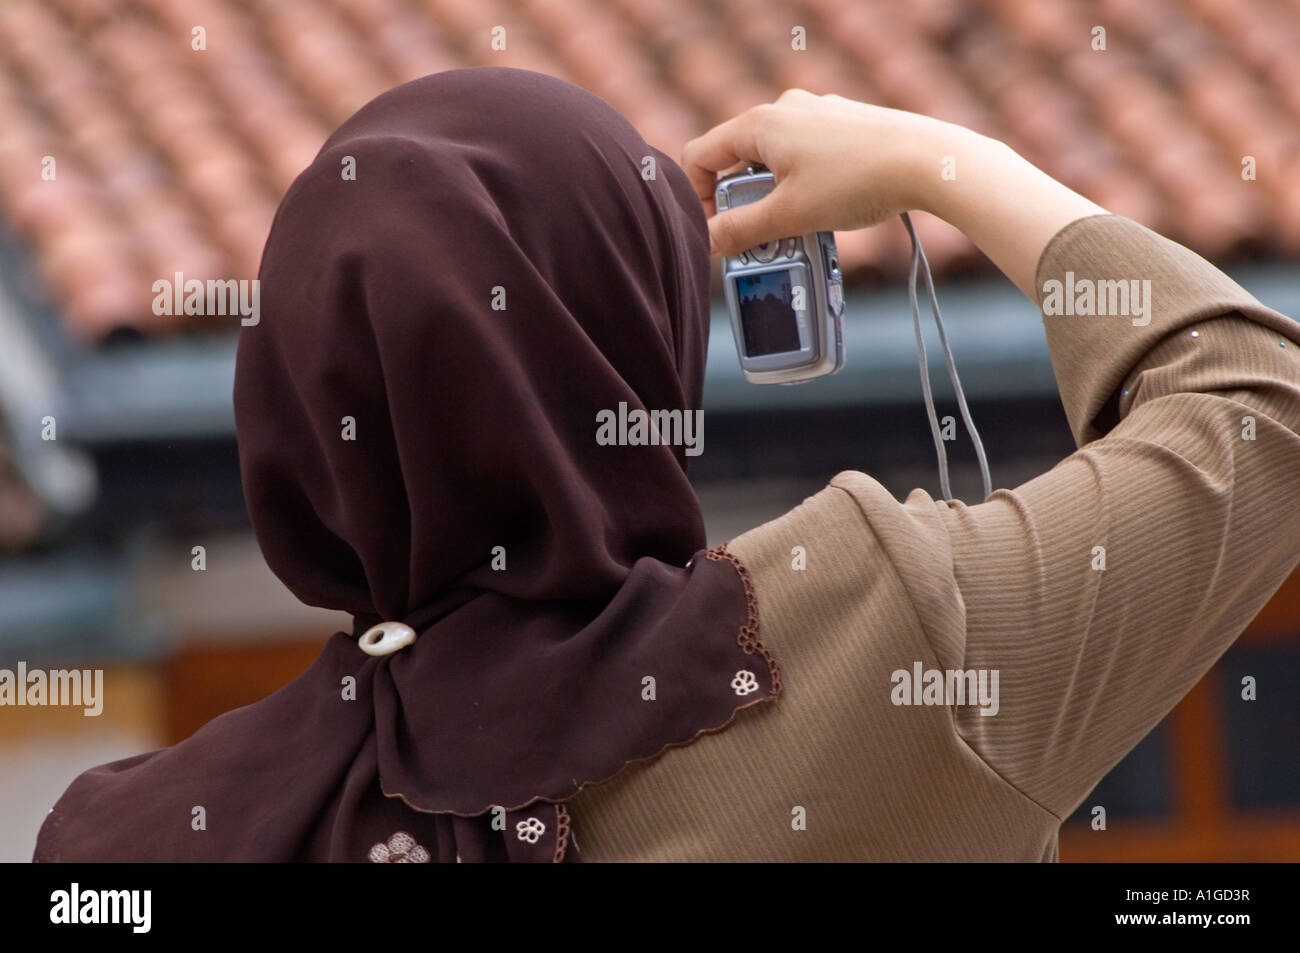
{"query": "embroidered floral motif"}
pixel 744 682
pixel 400 849
pixel 530 830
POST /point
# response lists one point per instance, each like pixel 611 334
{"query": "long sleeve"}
pixel 1104 589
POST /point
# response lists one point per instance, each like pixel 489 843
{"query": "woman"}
pixel 558 658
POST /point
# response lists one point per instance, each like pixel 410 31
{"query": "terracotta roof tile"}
pixel 172 159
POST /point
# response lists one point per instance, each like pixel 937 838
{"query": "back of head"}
pixel 473 267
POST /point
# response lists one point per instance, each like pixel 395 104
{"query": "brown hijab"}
pixel 475 265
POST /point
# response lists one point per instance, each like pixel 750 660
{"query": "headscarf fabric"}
pixel 475 267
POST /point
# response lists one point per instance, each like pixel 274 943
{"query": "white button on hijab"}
pixel 386 638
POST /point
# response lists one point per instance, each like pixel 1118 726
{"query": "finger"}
pixel 745 226
pixel 795 94
pixel 710 204
pixel 725 145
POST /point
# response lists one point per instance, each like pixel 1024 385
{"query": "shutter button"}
pixel 386 638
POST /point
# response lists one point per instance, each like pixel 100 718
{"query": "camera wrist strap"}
pixel 919 260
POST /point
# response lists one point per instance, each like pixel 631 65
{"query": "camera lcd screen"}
pixel 767 315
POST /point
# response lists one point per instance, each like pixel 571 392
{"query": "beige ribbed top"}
pixel 1183 489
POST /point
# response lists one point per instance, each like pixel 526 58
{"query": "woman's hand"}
pixel 839 165
pixel 842 165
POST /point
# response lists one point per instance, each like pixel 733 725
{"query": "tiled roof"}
pixel 172 160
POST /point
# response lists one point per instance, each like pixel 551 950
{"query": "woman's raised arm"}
pixel 842 165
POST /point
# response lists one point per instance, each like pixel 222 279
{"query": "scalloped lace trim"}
pixel 562 823
pixel 748 638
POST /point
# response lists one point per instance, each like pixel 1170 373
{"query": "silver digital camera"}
pixel 785 297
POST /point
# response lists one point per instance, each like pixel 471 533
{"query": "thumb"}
pixel 745 226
